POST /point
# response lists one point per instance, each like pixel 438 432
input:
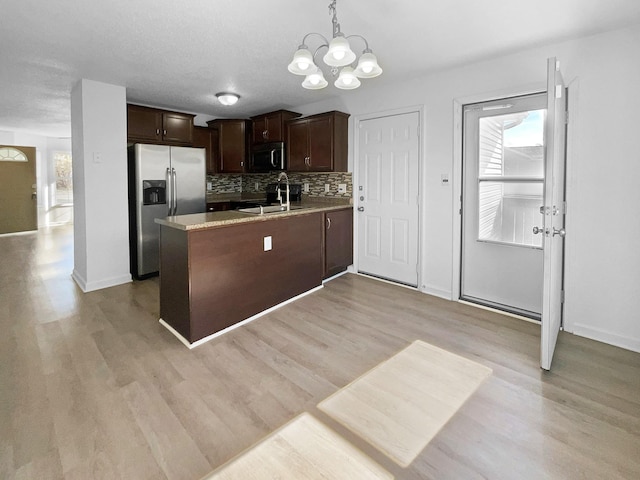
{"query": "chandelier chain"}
pixel 334 18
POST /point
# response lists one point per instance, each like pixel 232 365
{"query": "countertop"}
pixel 202 221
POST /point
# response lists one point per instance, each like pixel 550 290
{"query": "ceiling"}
pixel 179 54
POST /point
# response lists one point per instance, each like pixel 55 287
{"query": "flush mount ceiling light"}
pixel 339 54
pixel 227 98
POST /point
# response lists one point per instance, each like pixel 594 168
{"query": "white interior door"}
pixel 554 212
pixel 387 197
pixel 503 180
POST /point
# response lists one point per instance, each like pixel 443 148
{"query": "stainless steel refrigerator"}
pixel 163 181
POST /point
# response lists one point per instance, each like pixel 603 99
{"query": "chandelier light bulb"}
pixel 368 66
pixel 315 80
pixel 340 53
pixel 301 62
pixel 347 79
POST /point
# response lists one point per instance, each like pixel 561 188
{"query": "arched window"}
pixel 8 154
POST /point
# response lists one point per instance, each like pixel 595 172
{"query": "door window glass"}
pixel 8 154
pixel 510 177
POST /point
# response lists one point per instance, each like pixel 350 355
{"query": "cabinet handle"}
pixel 157 131
pixel 264 134
pixel 328 223
pixel 242 164
pixel 164 132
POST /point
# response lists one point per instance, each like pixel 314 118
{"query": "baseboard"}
pixel 235 325
pixel 599 335
pixel 333 277
pixel 436 292
pixel 87 287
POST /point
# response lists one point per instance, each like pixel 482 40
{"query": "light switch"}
pixel 444 179
pixel 97 157
pixel 267 243
pixel 342 188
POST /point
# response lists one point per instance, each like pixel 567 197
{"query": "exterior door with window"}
pixel 503 183
pixel 18 203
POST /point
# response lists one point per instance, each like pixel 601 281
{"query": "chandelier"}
pixel 339 54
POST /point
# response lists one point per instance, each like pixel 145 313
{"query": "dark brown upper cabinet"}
pixel 205 137
pixel 270 127
pixel 232 150
pixel 318 143
pixel 151 125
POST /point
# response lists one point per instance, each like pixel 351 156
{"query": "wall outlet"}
pixel 256 186
pixel 342 188
pixel 326 188
pixel 305 188
pixel 209 186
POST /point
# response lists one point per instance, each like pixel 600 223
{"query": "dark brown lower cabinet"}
pixel 338 241
pixel 214 278
pixel 218 206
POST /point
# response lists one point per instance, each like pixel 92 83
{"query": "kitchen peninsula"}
pixel 221 268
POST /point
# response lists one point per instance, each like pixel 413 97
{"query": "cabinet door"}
pixel 177 128
pixel 297 146
pixel 232 148
pixel 274 128
pixel 321 144
pixel 214 166
pixel 338 241
pixel 260 129
pixel 143 124
pixel 202 139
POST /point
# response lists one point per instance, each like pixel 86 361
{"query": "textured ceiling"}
pixel 178 54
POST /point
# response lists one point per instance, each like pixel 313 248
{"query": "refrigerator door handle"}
pixel 174 190
pixel 169 192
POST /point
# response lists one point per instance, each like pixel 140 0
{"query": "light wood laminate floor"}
pixel 91 386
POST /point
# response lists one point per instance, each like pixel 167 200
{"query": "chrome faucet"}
pixel 288 203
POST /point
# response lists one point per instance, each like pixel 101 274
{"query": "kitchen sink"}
pixel 268 209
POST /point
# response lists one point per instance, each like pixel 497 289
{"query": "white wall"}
pixel 99 150
pixel 602 264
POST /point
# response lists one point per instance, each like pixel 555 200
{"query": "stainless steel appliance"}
pixel 268 157
pixel 163 181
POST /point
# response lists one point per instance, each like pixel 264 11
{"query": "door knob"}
pixel 537 230
pixel 361 209
pixel 560 232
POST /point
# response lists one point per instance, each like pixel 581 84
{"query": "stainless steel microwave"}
pixel 268 157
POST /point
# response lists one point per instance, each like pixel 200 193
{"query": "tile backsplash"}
pixel 232 183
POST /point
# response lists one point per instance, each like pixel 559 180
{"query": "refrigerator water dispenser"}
pixel 154 192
